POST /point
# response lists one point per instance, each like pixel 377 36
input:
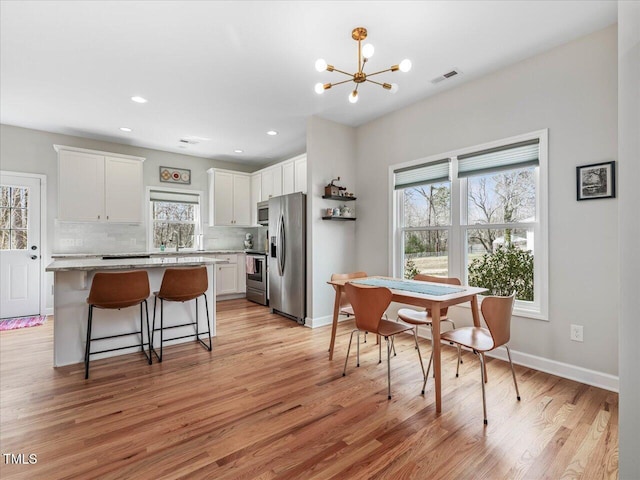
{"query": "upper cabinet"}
pixel 229 198
pixel 256 196
pixel 271 182
pixel 99 186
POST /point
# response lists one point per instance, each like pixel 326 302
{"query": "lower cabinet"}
pixel 230 277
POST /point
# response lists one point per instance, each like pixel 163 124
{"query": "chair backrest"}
pixel 430 278
pixel 369 304
pixel 344 301
pixel 118 289
pixel 183 284
pixel 497 315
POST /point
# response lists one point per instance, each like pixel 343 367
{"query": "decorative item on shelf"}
pixel 347 211
pixel 329 212
pixel 175 175
pixel 248 241
pixel 364 54
pixel 333 190
pixel 336 212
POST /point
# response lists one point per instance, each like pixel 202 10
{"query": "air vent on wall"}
pixel 446 76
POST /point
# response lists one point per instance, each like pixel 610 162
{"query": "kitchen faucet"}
pixel 176 237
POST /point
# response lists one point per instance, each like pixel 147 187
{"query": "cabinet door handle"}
pixel 98 217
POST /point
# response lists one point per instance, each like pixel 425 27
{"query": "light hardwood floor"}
pixel 267 403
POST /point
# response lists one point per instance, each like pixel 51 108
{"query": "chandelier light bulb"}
pixel 319 88
pixel 394 88
pixel 367 51
pixel 353 97
pixel 321 65
pixel 405 65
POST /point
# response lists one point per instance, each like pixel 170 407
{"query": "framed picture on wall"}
pixel 595 181
pixel 175 175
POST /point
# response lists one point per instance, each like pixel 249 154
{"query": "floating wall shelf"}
pixel 337 197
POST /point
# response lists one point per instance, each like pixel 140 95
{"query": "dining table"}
pixel 431 296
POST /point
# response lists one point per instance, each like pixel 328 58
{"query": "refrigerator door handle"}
pixel 279 245
pixel 283 248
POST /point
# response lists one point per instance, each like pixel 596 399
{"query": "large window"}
pixel 175 219
pixel 479 214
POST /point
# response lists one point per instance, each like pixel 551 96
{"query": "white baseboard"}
pixel 322 321
pixel 48 311
pixel 565 370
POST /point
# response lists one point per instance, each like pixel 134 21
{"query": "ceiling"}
pixel 223 73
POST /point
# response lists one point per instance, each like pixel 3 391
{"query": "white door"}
pixel 20 258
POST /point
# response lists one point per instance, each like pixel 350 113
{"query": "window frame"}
pixel 149 215
pixel 457 257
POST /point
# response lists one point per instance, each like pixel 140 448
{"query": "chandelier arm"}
pixel 339 83
pixel 340 71
pixel 373 81
pixel 381 71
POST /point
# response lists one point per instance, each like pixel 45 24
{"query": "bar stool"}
pixel 116 290
pixel 181 285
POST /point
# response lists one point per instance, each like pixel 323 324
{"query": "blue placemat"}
pixel 410 286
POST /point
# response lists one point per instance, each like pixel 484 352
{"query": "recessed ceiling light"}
pixel 272 132
pixel 138 99
pixel 237 150
pixel 126 129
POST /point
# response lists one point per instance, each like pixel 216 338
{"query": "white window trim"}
pixel 149 220
pixel 540 308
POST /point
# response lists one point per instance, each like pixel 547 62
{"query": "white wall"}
pixel 629 233
pixel 331 246
pixel 572 91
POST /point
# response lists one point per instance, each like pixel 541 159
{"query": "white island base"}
pixel 71 289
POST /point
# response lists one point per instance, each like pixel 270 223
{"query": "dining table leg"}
pixel 435 345
pixel 334 323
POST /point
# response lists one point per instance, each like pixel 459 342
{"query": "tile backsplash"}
pixel 96 237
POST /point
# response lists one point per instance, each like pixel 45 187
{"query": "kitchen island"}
pixel 72 282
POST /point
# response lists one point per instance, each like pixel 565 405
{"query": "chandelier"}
pixel 364 54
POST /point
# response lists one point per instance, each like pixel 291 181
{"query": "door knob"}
pixel 34 247
pixel 34 257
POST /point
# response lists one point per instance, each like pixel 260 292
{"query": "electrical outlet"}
pixel 577 333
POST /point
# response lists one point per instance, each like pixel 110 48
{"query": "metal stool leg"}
pixel 484 400
pixel 206 306
pixel 388 368
pixel 87 350
pixel 513 373
pixel 344 372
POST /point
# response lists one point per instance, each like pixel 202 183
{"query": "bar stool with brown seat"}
pixel 116 290
pixel 181 285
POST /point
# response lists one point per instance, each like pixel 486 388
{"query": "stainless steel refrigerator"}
pixel 288 256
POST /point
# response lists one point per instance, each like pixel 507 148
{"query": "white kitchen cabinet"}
pixel 231 276
pixel 242 273
pixel 288 178
pixel 99 186
pixel 300 174
pixel 123 190
pixel 271 184
pixel 256 192
pixel 294 175
pixel 229 198
pixel 226 279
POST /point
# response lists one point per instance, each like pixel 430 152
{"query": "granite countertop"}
pixel 166 253
pixel 97 263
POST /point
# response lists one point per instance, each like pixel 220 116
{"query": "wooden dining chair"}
pixel 345 306
pixel 369 304
pixel 423 317
pixel 496 312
